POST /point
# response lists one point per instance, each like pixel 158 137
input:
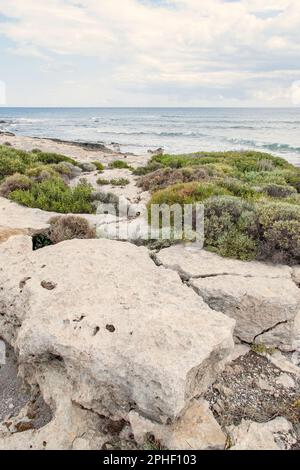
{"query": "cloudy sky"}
pixel 150 52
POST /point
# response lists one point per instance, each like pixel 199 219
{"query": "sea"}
pixel 176 130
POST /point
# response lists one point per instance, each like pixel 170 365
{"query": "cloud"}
pixel 212 47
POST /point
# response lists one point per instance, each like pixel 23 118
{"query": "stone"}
pixel 264 385
pixel 283 363
pixel 88 167
pixel 263 299
pixel 286 381
pixel 166 345
pixel 196 429
pixel 274 435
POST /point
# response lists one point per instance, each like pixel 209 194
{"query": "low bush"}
pixel 279 191
pixel 119 182
pixel 165 177
pixel 187 193
pixel 280 232
pixel 231 226
pixel 68 228
pixel 102 181
pixel 54 195
pixel 119 164
pixel 99 166
pixel 13 183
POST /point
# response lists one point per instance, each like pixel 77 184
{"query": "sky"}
pixel 150 53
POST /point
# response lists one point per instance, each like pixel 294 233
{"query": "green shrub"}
pixel 149 168
pixel 187 193
pixel 18 161
pixel 119 164
pixel 54 195
pixel 238 245
pixel 41 172
pixel 102 181
pixel 228 218
pixel 70 227
pixel 53 158
pixel 280 232
pixel 119 182
pixel 99 166
pixel 14 182
pixel 165 177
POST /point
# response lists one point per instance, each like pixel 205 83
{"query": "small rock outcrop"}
pixel 263 299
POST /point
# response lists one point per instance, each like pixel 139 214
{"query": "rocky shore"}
pixel 118 346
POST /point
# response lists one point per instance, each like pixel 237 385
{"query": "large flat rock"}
pixel 264 299
pixel 126 333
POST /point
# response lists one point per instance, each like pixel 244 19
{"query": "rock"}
pixel 156 152
pixel 264 385
pixel 104 327
pixel 286 381
pixel 239 351
pixel 262 298
pixel 284 364
pixel 197 429
pixel 69 424
pixel 88 167
pixel 274 435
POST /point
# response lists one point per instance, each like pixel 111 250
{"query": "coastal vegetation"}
pixel 251 200
pixel 39 179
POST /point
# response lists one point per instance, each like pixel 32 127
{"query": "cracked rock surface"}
pixel 263 299
pixel 87 321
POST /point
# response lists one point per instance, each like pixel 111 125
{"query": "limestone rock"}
pixel 262 298
pixel 197 429
pixel 126 333
pixel 286 381
pixel 274 435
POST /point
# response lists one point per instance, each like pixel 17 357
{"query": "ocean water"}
pixel 177 130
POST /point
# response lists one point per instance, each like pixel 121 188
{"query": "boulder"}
pixel 263 299
pixel 274 435
pixel 197 429
pixel 124 333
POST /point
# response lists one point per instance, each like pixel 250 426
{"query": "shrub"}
pixel 149 168
pixel 119 182
pixel 99 166
pixel 228 218
pixel 102 181
pixel 40 240
pixel 18 161
pixel 165 177
pixel 236 244
pixel 265 165
pixel 53 158
pixel 14 182
pixel 280 232
pixel 187 193
pixel 69 227
pixel 54 195
pixel 119 164
pixel 279 191
pixel 41 172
